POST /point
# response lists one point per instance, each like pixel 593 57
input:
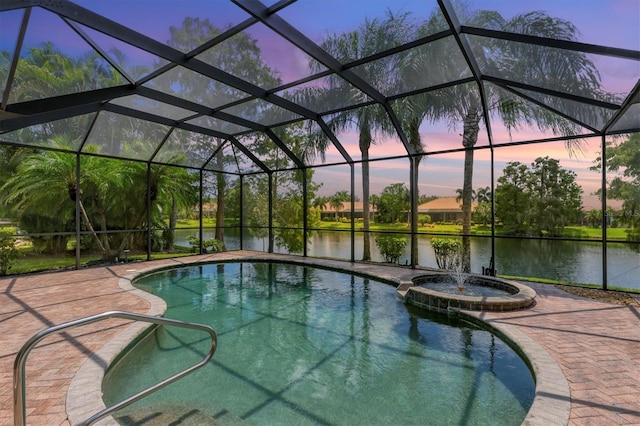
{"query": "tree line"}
pixel 114 195
pixel 536 199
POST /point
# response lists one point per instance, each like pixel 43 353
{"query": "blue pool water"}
pixel 299 345
pixel 468 289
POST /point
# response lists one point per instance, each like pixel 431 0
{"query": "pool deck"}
pixel 586 353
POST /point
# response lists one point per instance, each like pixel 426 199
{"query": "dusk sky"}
pixel 604 22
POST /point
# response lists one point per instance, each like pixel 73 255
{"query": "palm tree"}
pixel 110 195
pixel 239 55
pixel 221 189
pixel 374 201
pixel 319 203
pixel 483 195
pixel 412 110
pixel 459 195
pixel 371 37
pixel 337 201
pixel 45 185
pixel 593 217
pixel 336 205
pixel 547 67
pixel 44 71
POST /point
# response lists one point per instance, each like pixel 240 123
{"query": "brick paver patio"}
pixel 598 348
pixel 597 345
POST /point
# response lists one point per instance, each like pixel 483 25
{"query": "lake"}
pixel 573 261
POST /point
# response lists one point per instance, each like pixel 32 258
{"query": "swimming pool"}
pixel 301 345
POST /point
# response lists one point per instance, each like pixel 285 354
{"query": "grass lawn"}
pixel 208 222
pixel 156 256
pixel 596 233
pixel 618 234
pixel 398 227
pixel 29 262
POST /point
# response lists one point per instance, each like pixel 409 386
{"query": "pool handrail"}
pixel 19 367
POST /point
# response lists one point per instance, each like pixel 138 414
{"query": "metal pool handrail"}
pixel 19 391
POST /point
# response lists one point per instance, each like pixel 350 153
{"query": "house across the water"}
pixel 444 209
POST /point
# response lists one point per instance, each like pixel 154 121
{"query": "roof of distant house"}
pixel 443 204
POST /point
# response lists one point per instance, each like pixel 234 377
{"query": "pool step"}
pixel 174 415
pixel 403 289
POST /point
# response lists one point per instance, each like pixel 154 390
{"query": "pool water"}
pixel 468 289
pixel 300 345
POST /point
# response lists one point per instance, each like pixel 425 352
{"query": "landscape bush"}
pixel 447 252
pixel 8 252
pixel 391 247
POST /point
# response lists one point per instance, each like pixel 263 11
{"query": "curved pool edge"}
pixel 552 400
pixel 84 397
pixel 521 297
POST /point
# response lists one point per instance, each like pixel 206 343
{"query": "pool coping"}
pixel 551 404
pixel 84 397
pixel 429 298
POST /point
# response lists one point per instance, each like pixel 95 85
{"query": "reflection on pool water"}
pixel 300 345
pixel 468 289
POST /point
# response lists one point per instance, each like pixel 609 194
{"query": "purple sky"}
pixel 606 22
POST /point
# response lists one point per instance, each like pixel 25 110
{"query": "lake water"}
pixel 571 261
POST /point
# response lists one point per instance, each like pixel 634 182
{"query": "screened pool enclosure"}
pixel 325 128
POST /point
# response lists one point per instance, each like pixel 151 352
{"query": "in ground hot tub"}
pixel 441 292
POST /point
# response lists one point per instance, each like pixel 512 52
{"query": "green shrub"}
pixel 447 251
pixel 210 245
pixel 423 219
pixel 8 252
pixel 391 247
